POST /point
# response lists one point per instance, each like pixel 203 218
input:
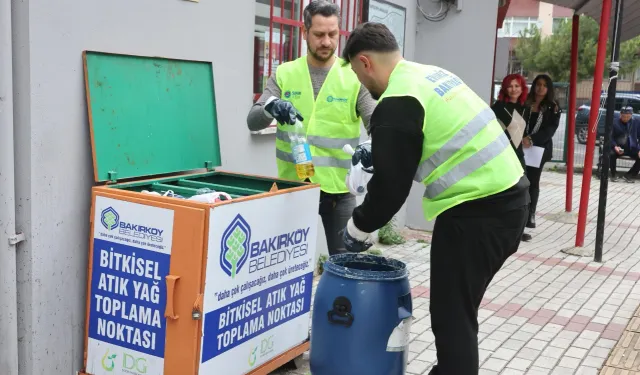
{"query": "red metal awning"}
pixel 503 7
pixel 593 9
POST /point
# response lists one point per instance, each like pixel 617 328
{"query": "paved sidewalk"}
pixel 547 312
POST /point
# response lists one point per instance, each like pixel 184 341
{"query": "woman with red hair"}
pixel 511 99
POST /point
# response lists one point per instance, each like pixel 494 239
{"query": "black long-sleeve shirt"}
pixel 396 145
pixel 544 136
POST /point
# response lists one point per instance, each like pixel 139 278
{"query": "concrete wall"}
pixel 462 43
pixel 54 168
pixel 545 15
pixel 501 68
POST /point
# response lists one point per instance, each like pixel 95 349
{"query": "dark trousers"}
pixel 466 252
pixel 335 211
pixel 635 168
pixel 534 175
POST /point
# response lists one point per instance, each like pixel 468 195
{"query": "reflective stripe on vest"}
pixel 318 161
pixel 470 130
pixel 467 167
pixel 323 142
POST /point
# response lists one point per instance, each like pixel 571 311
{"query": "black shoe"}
pixel 526 237
pixel 628 179
pixel 531 223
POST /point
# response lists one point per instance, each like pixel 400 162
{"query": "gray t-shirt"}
pixel 257 120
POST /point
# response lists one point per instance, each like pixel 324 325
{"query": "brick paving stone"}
pixel 547 312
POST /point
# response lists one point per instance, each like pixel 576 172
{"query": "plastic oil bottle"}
pixel 301 152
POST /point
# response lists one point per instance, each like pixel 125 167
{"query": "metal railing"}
pixel 560 139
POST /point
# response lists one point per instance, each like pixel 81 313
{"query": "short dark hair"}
pixel 320 7
pixel 369 36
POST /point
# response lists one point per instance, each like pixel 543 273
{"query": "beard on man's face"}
pixel 319 57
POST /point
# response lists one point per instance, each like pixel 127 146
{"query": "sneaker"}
pixel 628 179
pixel 614 179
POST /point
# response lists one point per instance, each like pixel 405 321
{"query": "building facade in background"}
pixel 523 14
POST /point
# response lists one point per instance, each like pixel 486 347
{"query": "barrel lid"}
pixel 366 267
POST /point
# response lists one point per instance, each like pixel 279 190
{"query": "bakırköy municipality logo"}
pixel 110 218
pixel 235 246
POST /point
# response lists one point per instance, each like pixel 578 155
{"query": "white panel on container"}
pixel 131 256
pixel 259 279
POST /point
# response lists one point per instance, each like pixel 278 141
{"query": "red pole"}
pixel 292 16
pixel 281 33
pixel 270 37
pixel 593 117
pixel 571 116
pixel 348 14
pixel 493 73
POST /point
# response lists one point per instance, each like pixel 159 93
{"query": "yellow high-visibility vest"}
pixel 465 155
pixel 330 121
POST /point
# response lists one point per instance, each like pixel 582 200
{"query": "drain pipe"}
pixel 8 236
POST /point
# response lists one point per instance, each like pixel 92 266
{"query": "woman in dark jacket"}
pixel 511 99
pixel 543 118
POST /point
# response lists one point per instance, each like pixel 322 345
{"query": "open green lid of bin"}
pixel 150 115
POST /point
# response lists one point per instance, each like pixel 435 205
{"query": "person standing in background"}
pixel 511 99
pixel 543 118
pixel 328 97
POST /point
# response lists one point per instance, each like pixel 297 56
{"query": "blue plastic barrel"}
pixel 361 317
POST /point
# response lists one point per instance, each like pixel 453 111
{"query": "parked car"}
pixel 582 115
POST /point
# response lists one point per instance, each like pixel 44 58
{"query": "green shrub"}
pixel 388 235
pixel 321 259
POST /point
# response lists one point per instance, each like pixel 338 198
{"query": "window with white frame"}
pixel 513 26
pixel 557 22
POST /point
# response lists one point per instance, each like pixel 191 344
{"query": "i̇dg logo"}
pixel 235 246
pixel 108 361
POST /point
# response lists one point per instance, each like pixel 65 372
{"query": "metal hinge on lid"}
pixel 208 165
pixel 113 176
pixel 16 238
pixel 196 314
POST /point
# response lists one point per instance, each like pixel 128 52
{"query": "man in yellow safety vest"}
pixel 328 96
pixel 430 127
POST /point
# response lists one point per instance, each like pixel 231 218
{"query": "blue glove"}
pixel 283 111
pixel 355 240
pixel 363 155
